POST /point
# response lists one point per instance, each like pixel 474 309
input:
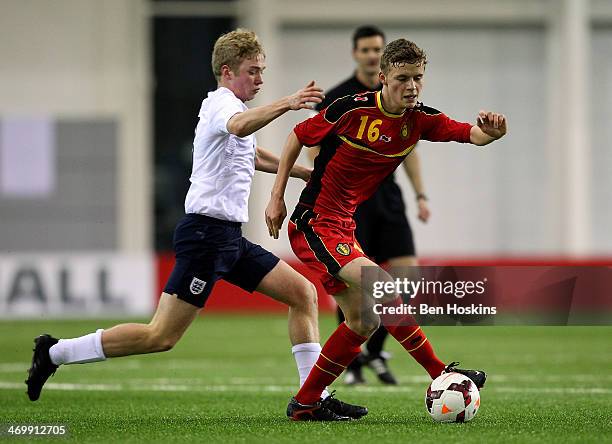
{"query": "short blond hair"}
pixel 400 52
pixel 232 48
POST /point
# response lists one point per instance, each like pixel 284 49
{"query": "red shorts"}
pixel 325 244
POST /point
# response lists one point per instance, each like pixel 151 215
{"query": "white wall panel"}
pixel 484 201
pixel 86 59
pixel 601 130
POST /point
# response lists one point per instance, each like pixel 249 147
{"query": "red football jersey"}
pixel 366 144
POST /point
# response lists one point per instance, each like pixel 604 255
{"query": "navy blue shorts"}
pixel 209 249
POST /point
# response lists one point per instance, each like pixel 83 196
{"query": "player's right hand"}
pixel 424 212
pixel 303 97
pixel 276 211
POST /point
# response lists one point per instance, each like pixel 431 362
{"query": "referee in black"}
pixel 382 227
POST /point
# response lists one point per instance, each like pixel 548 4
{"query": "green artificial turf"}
pixel 230 378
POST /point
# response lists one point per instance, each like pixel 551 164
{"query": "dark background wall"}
pixel 183 77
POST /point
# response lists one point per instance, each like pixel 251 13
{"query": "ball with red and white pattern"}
pixel 452 397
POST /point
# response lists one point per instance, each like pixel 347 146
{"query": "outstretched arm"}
pixel 247 122
pixel 412 166
pixel 267 162
pixel 276 211
pixel 490 126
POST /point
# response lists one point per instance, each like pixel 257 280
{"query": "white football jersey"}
pixel 223 163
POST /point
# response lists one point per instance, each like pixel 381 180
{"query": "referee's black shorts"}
pixel 382 226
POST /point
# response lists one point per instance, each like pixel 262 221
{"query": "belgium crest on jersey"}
pixel 405 131
pixel 343 249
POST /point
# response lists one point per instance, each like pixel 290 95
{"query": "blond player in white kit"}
pixel 208 241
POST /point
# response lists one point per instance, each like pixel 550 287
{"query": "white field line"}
pixel 558 390
pixel 6 385
pixel 21 367
pixel 258 388
pixel 127 364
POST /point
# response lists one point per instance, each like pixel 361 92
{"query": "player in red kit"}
pixel 368 135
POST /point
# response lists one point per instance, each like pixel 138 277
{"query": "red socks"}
pixel 339 351
pixel 405 329
pixel 344 345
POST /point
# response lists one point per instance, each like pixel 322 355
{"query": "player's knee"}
pixel 364 325
pixel 388 298
pixel 159 342
pixel 310 295
pixel 305 296
pixel 164 344
pixel 371 322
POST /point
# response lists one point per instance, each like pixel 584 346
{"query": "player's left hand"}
pixel 424 212
pixel 305 174
pixel 492 124
pixel 276 211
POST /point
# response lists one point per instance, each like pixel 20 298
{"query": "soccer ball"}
pixel 452 397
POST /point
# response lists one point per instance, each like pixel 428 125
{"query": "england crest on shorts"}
pixel 197 286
